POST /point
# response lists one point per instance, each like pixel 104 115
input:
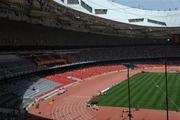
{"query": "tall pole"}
pixel 166 78
pixel 129 97
pixel 167 103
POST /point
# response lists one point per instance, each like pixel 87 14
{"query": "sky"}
pixel 152 4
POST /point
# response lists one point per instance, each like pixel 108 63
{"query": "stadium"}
pixel 84 60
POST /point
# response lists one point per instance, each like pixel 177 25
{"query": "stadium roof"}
pixel 124 14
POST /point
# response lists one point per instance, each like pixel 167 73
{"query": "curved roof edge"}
pixel 120 13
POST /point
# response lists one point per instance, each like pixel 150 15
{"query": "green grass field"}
pixel 147 91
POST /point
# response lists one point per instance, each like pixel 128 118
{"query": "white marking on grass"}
pixel 155 83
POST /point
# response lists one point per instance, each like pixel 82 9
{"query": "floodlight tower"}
pixel 166 80
pixel 128 66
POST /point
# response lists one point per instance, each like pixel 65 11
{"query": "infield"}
pixel 147 91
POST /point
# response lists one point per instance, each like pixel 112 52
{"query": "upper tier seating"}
pixel 46 59
pixel 12 65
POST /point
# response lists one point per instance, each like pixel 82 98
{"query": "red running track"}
pixel 72 104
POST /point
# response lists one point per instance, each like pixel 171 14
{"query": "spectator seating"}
pixel 46 59
pixel 12 65
pixel 8 100
pixel 143 66
pixel 27 88
pixel 82 73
